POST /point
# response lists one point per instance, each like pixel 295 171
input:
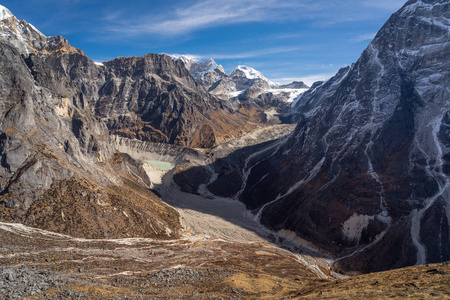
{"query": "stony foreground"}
pixel 36 264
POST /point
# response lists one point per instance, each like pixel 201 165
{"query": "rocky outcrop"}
pixel 364 175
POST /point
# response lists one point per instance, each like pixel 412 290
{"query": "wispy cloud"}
pixel 189 56
pixel 249 54
pixel 364 37
pixel 206 14
pixel 308 80
pixel 202 14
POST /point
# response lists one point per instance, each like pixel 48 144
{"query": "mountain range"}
pixel 246 89
pixel 356 181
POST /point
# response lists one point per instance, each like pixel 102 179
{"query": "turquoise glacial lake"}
pixel 162 165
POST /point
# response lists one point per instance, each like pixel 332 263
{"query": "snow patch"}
pixel 235 94
pixel 412 8
pixel 5 13
pixel 293 93
pixel 354 226
pixel 251 74
pixel 186 58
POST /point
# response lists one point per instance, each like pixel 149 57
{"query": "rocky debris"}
pixel 185 276
pixel 364 172
pixel 18 283
pixel 148 269
pixel 143 269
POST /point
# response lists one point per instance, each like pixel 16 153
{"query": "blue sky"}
pixel 284 39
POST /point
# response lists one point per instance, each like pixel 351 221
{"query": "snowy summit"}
pixel 248 72
pixel 5 13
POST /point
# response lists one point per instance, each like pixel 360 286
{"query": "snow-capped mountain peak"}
pixel 248 72
pixel 27 39
pixel 209 65
pixel 5 13
pixel 244 76
pixel 186 59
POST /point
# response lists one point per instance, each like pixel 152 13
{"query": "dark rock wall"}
pixel 370 150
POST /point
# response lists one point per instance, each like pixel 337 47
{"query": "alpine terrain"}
pixel 161 177
pixel 247 90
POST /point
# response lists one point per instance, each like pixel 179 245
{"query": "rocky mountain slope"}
pixel 57 168
pixel 155 99
pixel 207 73
pixel 363 177
pixel 365 173
pixel 150 98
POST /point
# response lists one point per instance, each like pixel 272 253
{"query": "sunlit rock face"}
pixel 367 167
pixel 154 98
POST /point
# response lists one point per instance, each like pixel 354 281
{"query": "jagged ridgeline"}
pixel 365 174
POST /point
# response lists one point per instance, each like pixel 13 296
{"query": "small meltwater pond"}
pixel 162 165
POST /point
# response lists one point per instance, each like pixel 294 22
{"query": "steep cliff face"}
pixel 154 98
pixel 365 173
pixel 58 170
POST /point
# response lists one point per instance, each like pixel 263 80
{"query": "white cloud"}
pixel 249 54
pixel 308 80
pixel 202 14
pixel 364 37
pixel 209 13
pixel 192 57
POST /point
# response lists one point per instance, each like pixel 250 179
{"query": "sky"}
pixel 286 40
